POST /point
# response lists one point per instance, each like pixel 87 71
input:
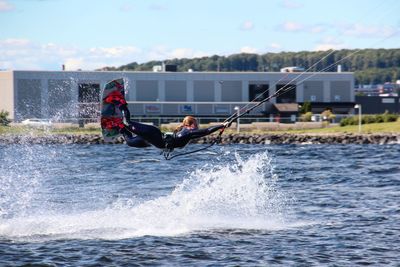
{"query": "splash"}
pixel 241 194
pixel 19 180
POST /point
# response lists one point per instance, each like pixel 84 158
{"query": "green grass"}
pixel 42 131
pixel 373 128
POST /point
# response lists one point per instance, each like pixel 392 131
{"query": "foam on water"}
pixel 241 194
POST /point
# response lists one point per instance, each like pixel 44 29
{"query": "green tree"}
pixel 375 66
pixel 4 118
pixel 306 107
pixel 306 116
pixel 327 115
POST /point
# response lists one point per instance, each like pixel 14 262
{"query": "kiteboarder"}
pixel 115 120
pixel 138 134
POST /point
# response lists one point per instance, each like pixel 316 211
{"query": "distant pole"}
pixel 359 117
pixel 237 120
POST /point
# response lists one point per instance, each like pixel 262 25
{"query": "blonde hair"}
pixel 187 122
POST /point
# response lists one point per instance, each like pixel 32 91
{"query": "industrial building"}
pixel 379 104
pixel 72 95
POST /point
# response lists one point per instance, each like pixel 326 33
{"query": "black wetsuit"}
pixel 143 135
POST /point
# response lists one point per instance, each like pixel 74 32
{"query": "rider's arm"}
pixel 203 132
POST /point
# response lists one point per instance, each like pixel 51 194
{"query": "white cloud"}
pixel 126 8
pixel 353 30
pixel 367 31
pixel 181 53
pixel 324 47
pixel 158 52
pixel 290 26
pixel 162 52
pixel 99 57
pixel 330 39
pixel 291 4
pixel 114 52
pixel 247 26
pixel 318 28
pixel 51 49
pixel 24 54
pixel 9 43
pixel 83 63
pixel 74 63
pixel 157 7
pixel 16 53
pixel 248 50
pixel 275 46
pixel 329 42
pixel 5 6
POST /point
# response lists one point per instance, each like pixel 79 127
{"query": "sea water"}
pixel 247 205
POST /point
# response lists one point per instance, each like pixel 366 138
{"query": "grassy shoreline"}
pixel 373 128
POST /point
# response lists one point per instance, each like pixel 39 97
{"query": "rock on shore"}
pixel 308 139
pixel 226 139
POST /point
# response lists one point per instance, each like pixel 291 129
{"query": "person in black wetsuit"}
pixel 142 135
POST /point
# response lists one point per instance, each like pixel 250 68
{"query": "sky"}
pixel 91 34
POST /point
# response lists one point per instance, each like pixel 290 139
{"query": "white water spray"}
pixel 242 194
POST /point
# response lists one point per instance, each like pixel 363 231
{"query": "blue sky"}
pixel 90 34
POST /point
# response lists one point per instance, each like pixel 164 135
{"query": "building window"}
pixel 337 97
pixel 258 92
pixel 313 98
pixel 388 100
pixel 287 93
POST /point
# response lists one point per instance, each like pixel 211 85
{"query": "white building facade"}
pixel 67 95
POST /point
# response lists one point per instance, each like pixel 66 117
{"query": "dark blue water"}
pixel 244 205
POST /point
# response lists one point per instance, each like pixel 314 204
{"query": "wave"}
pixel 241 194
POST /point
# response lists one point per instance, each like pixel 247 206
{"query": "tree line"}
pixel 370 66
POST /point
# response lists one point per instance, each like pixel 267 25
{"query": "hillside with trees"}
pixel 370 66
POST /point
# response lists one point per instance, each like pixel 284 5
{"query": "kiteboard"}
pixel 113 95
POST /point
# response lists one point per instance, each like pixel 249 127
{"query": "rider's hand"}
pixel 226 124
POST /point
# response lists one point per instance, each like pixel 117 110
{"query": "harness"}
pixel 168 138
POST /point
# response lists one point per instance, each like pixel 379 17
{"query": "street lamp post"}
pixel 359 117
pixel 237 120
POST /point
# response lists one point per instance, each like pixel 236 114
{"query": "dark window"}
pixel 172 68
pixel 258 92
pixel 286 93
